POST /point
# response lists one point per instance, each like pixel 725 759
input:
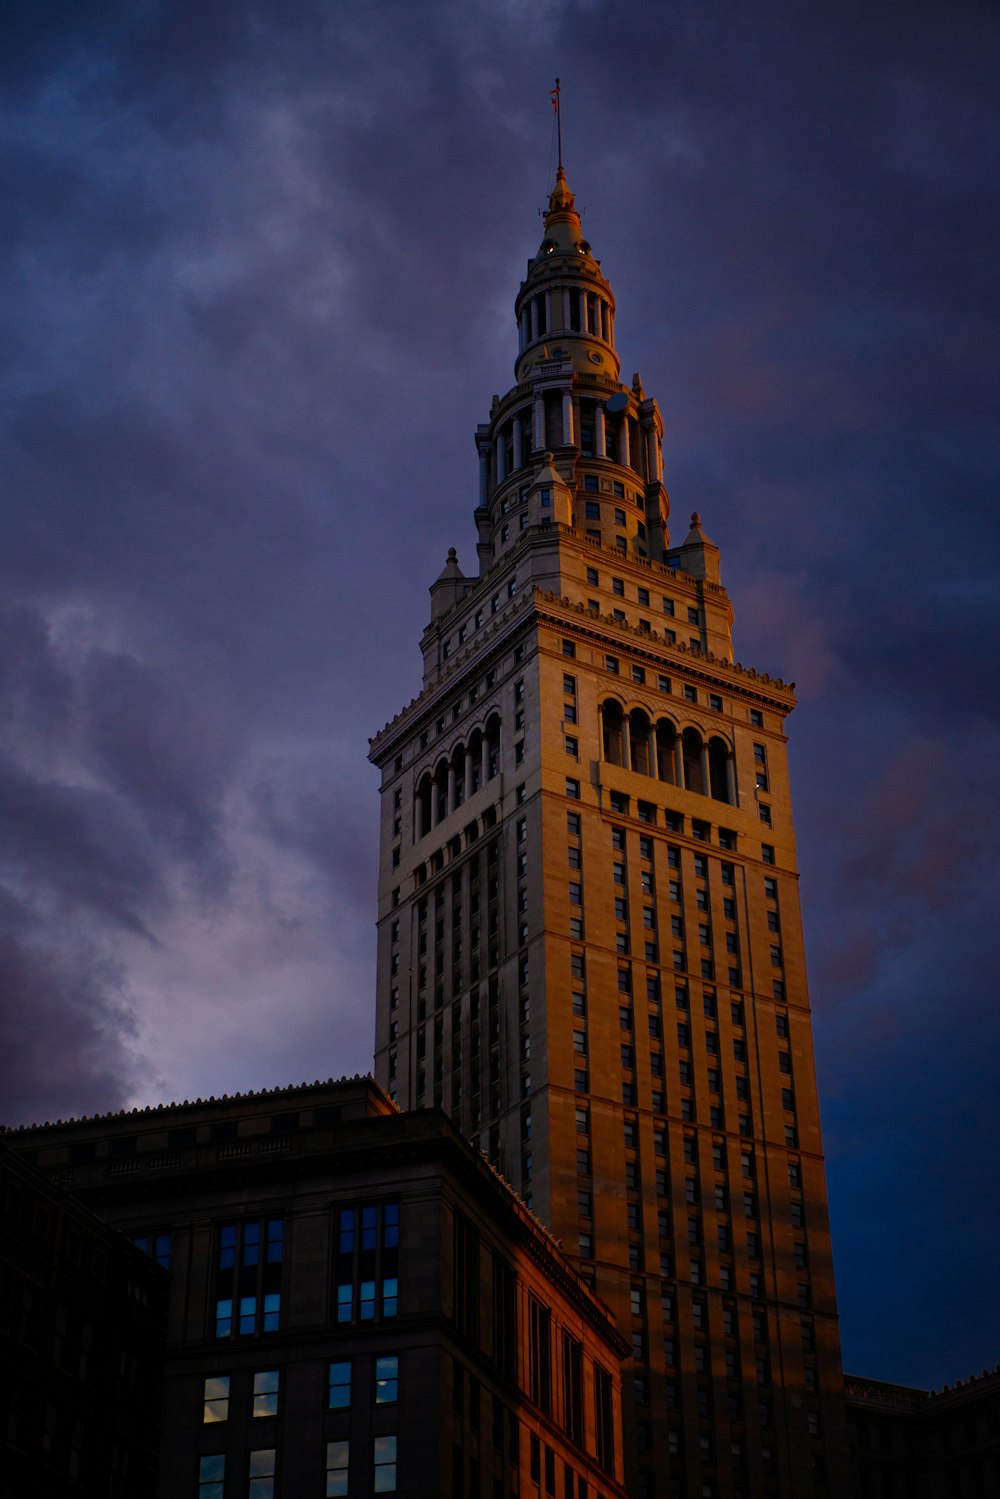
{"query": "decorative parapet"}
pixel 679 648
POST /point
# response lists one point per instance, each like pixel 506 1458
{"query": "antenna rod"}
pixel 554 95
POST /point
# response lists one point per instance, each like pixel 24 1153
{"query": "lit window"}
pixel 216 1406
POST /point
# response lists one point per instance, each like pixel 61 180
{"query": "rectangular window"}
pixel 387 1379
pixel 572 747
pixel 643 596
pixel 212 1476
pixel 568 648
pixel 592 578
pixel 573 1388
pixel 339 1396
pixel 384 1465
pixel 611 665
pixel 604 1413
pixel 540 1354
pixel 337 1463
pixel 261 1471
pixel 216 1399
pixel 572 789
pixel 265 1393
pixel 592 510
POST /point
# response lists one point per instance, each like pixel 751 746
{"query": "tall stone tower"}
pixel 590 947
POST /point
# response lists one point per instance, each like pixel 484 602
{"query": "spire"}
pixel 563 230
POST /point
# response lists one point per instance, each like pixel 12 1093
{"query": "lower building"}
pixel 920 1444
pixel 359 1304
pixel 82 1325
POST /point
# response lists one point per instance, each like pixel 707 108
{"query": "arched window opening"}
pixel 612 716
pixel 460 767
pixel 492 748
pixel 440 792
pixel 425 803
pixel 474 772
pixel 666 752
pixel 718 754
pixel 640 734
pixel 694 779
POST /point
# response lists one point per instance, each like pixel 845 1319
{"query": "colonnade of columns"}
pixel 538 315
pixel 457 778
pixel 687 759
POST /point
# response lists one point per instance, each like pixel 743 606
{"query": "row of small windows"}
pixel 266 1388
pixel 262 1470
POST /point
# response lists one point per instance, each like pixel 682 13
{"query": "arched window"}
pixel 424 805
pixel 611 714
pixel 640 733
pixel 718 755
pixel 694 779
pixel 666 751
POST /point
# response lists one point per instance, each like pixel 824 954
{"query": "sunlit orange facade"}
pixel 590 945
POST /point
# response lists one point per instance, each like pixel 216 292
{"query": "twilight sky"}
pixel 259 262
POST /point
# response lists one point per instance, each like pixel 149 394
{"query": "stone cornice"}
pixel 693 663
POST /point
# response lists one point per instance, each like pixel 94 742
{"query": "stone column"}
pixel 654 769
pixel 626 743
pixel 600 731
pixel 706 779
pixel 679 763
pixel 600 441
pixel 522 333
pixel 501 457
pixel 548 311
pixel 624 454
pixel 484 761
pixel 484 477
pixel 730 778
pixel 533 317
pixel 567 415
pixel 539 443
pixel 606 322
pixel 519 441
pixel 565 302
pixel 452 798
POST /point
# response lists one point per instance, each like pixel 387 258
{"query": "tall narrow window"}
pixel 384 1465
pixel 604 1412
pixel 573 1388
pixel 338 1456
pixel 540 1355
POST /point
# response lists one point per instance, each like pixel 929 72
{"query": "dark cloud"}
pixel 259 271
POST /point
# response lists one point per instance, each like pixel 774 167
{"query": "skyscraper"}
pixel 590 945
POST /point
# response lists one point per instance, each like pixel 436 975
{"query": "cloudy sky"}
pixel 259 262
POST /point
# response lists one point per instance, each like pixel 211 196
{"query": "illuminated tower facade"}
pixel 590 945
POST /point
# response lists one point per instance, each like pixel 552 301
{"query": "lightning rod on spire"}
pixel 554 94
